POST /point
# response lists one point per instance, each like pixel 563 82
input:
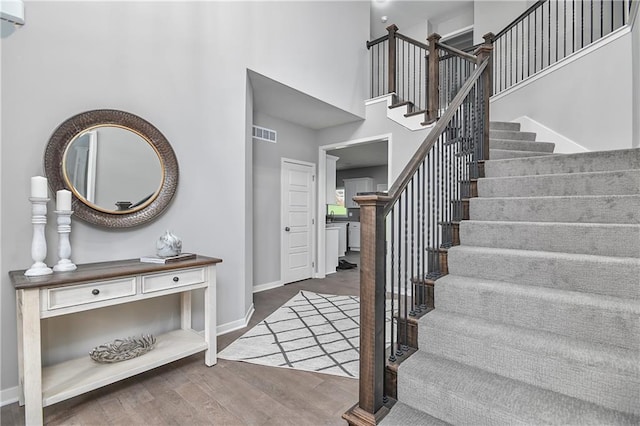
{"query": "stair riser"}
pixel 617 392
pixel 516 145
pixel 593 239
pixel 618 277
pixel 618 183
pixel 607 323
pixel 505 154
pixel 573 163
pixel 511 135
pixel 600 209
pixel 504 125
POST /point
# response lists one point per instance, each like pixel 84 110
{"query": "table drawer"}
pixel 64 297
pixel 174 279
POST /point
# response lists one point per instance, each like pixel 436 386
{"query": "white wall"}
pixel 403 142
pixel 463 18
pixel 494 15
pixel 587 100
pixel 635 44
pixel 181 66
pixel 295 142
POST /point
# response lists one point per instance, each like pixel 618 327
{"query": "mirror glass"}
pixel 113 169
pixel 121 169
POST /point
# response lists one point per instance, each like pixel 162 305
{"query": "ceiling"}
pixel 362 155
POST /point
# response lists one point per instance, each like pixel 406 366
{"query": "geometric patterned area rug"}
pixel 312 332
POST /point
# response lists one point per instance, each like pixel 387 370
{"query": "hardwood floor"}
pixel 187 392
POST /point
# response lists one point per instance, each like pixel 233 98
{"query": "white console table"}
pixel 99 285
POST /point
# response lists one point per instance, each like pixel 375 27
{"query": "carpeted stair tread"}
pixel 504 125
pixel 624 159
pixel 622 182
pixel 403 415
pixel 607 275
pixel 460 394
pixel 501 154
pixel 512 135
pixel 603 239
pixel 582 209
pixel 520 145
pixel 601 374
pixel 599 319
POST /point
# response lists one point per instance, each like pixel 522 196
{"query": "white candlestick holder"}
pixel 64 244
pixel 38 243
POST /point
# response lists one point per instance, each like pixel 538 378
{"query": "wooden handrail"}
pixel 412 41
pixel 407 173
pixel 457 52
pixel 377 41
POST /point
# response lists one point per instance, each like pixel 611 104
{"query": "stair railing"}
pixel 426 76
pixel 405 234
pixel 549 31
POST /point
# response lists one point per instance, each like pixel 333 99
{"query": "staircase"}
pixel 538 321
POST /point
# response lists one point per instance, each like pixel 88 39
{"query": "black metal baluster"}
pixel 424 231
pixel 591 22
pixel 564 28
pixel 612 14
pixel 412 197
pixel 601 18
pixel 399 206
pixel 392 353
pixel 535 41
pixel 406 278
pixel 557 31
pixel 573 26
pixel 581 24
pixel 549 34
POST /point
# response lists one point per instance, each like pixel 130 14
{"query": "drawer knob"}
pixel 176 279
pixel 95 292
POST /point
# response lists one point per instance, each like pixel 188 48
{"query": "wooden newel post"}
pixel 434 79
pixel 392 58
pixel 483 52
pixel 370 409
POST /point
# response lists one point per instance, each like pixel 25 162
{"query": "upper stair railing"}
pixel 425 76
pixel 549 31
pixel 405 234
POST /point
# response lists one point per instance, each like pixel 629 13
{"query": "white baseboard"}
pixel 8 396
pixel 267 286
pixel 236 325
pixel 564 145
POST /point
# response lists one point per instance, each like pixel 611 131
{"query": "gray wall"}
pixel 494 15
pixel 377 173
pixel 294 142
pixel 174 65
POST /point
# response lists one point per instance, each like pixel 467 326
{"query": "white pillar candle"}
pixel 63 200
pixel 39 187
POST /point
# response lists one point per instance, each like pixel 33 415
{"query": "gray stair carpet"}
pixel 538 321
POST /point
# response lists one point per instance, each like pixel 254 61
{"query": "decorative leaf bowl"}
pixel 123 349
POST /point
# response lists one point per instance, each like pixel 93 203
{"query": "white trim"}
pixel 267 286
pixel 378 99
pixel 322 179
pixel 564 145
pixel 456 33
pixel 314 227
pixel 609 38
pixel 9 396
pixel 237 324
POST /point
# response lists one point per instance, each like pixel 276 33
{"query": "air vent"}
pixel 265 134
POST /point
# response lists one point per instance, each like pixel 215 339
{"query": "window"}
pixel 338 209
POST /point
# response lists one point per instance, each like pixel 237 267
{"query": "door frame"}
pixel 313 228
pixel 322 187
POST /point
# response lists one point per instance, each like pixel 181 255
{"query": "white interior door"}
pixel 298 180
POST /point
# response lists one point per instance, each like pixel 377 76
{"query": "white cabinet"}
pixel 331 179
pixel 354 236
pixel 102 285
pixel 342 237
pixel 331 249
pixel 352 187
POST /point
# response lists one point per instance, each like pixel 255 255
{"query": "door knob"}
pixel 287 229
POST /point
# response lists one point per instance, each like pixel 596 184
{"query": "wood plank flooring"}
pixel 187 392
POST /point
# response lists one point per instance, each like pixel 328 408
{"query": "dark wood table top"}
pixel 103 270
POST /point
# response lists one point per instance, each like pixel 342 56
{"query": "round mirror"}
pixel 121 169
